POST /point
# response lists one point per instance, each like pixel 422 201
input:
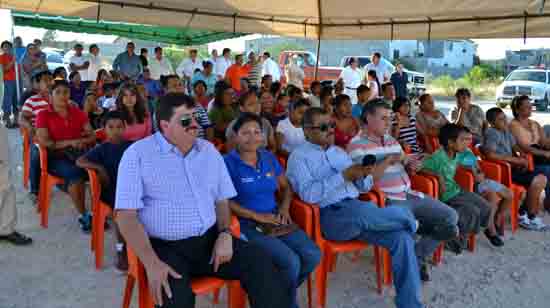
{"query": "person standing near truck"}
pixel 351 76
pixel 382 71
pixel 399 79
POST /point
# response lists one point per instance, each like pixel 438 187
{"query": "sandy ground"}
pixel 58 270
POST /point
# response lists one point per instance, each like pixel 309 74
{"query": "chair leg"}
pixel 46 204
pixel 388 276
pixel 378 266
pixel 321 281
pixel 99 238
pixel 26 163
pixel 356 256
pixel 145 298
pixel 216 297
pixel 130 282
pixel 309 293
pixel 472 242
pixel 332 259
pixel 236 296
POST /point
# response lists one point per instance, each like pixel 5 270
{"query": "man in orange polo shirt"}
pixel 235 73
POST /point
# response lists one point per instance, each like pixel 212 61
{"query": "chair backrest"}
pixel 424 184
pixel 491 170
pixel 465 179
pixel 43 158
pixel 434 142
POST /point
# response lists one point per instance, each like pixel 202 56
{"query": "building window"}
pixel 522 57
pixel 446 65
pixel 451 46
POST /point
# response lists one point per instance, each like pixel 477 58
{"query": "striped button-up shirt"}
pixel 174 194
pixel 316 175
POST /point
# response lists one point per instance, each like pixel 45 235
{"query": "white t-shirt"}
pixel 95 66
pixel 381 71
pixel 187 67
pixel 352 77
pixel 222 64
pixel 271 67
pixel 80 61
pixel 158 68
pixel 294 136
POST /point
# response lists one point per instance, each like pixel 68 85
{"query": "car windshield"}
pixel 306 59
pixel 527 76
pixel 54 57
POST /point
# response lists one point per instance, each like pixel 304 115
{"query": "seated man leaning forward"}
pixel 172 209
pixel 438 221
pixel 324 174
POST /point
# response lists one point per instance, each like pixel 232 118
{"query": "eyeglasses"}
pixel 323 127
pixel 187 119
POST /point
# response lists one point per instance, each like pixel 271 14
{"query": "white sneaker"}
pixel 525 222
pixel 537 224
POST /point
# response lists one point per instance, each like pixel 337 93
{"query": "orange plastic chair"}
pixel 100 212
pixel 200 285
pixel 26 156
pixel 47 182
pixel 282 160
pixel 433 141
pixel 330 249
pixel 428 185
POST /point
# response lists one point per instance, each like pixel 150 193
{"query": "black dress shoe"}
pixel 425 272
pixel 495 240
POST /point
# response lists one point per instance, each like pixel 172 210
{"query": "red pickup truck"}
pixel 307 61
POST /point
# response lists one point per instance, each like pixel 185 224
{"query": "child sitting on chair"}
pixel 104 159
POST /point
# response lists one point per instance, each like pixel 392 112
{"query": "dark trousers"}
pixel 250 265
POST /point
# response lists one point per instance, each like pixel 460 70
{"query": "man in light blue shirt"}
pixel 128 63
pixel 172 209
pixel 324 174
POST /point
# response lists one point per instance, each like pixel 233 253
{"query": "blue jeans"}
pixel 436 218
pixel 391 228
pixel 67 170
pixel 9 105
pixel 294 254
pixel 34 169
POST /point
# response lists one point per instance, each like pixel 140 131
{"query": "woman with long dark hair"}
pixel 374 84
pixel 132 107
pixel 347 126
pixel 224 110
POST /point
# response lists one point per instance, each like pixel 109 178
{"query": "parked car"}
pixel 53 60
pixel 416 84
pixel 533 82
pixel 307 61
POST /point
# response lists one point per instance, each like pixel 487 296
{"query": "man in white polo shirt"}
pixel 79 63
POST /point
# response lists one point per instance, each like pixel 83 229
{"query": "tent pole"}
pixel 17 81
pixel 319 32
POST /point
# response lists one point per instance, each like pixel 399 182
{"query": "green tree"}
pixel 49 38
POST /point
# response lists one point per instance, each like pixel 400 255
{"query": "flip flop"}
pixel 16 238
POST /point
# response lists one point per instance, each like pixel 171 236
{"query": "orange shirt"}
pixel 5 59
pixel 235 73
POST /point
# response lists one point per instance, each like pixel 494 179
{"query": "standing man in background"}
pixel 223 63
pixel 271 67
pixel 382 72
pixel 128 64
pixel 188 66
pixel 80 63
pixel 400 79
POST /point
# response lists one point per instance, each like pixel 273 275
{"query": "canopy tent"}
pixel 170 35
pixel 326 19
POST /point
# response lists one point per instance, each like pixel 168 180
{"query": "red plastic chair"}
pixel 100 212
pixel 434 142
pixel 26 156
pixel 200 286
pixel 47 182
pixel 330 249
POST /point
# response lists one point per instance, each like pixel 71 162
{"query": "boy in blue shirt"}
pixel 363 93
pixel 104 159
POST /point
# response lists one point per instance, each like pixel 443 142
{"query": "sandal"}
pixel 17 239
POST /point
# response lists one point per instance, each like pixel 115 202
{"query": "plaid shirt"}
pixel 174 194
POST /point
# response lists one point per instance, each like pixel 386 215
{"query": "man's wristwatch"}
pixel 225 230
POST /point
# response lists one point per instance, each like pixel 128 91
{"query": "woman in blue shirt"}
pixel 257 176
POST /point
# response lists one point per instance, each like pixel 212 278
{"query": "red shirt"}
pixel 61 128
pixel 5 59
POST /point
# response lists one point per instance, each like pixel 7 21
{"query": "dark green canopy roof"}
pixel 169 35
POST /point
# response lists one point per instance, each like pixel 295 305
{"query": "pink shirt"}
pixel 138 131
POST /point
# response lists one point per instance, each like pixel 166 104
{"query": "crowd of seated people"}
pixel 165 134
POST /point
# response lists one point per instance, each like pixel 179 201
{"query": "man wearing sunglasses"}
pixel 438 221
pixel 324 174
pixel 172 209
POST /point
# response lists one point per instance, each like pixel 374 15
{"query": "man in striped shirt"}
pixel 438 221
pixel 32 106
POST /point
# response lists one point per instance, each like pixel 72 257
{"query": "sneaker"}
pixel 85 223
pixel 537 224
pixel 425 272
pixel 525 222
pixel 455 246
pixel 122 261
pixel 495 240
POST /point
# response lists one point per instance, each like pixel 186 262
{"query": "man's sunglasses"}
pixel 324 127
pixel 187 119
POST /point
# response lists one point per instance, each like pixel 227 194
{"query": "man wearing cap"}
pixel 79 63
pixel 159 65
pixel 128 64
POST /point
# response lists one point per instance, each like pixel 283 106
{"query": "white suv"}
pixel 533 82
